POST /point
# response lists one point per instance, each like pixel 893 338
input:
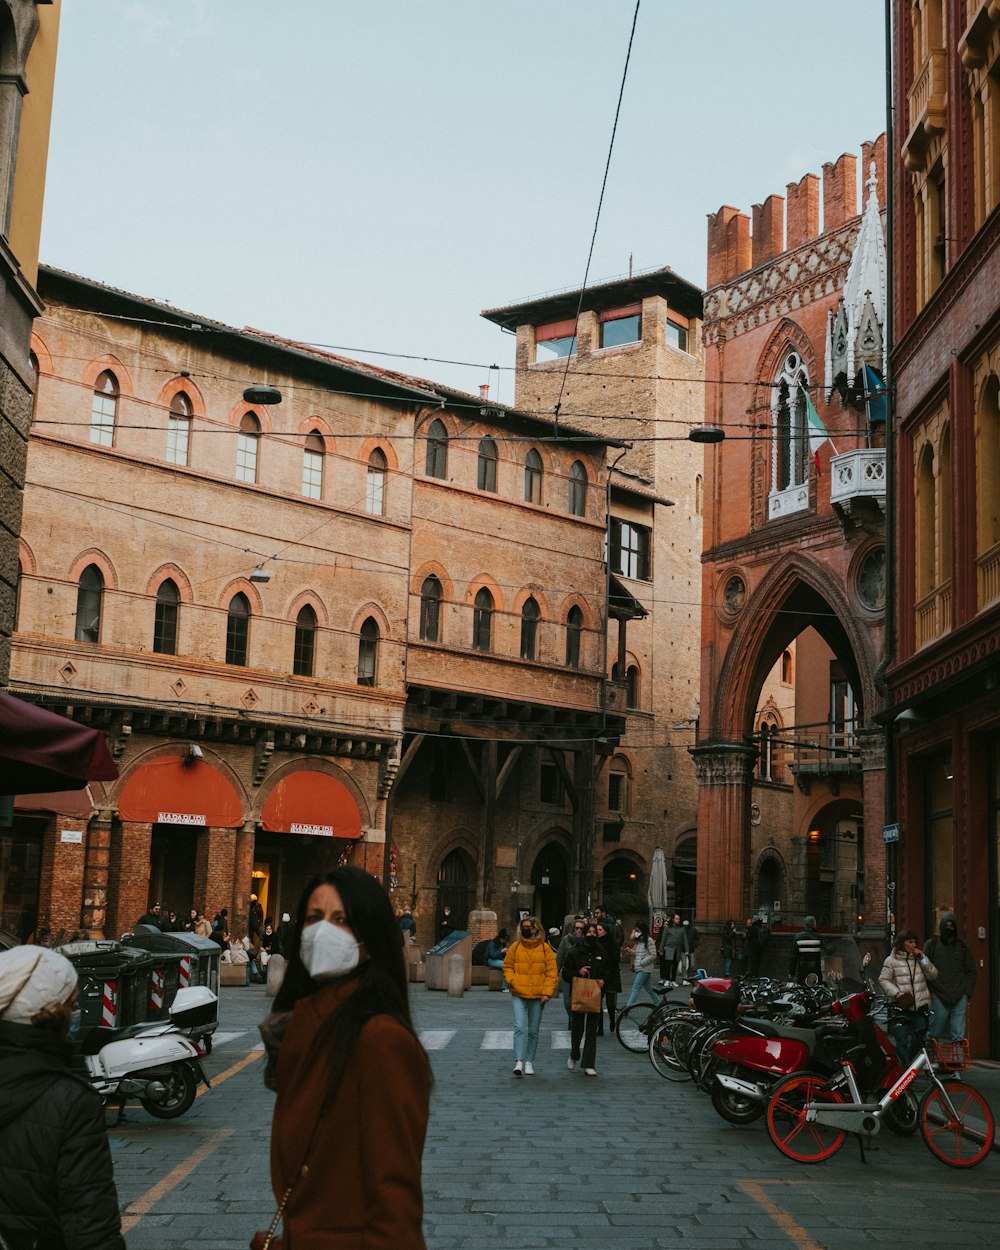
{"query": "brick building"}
pixel 631 364
pixel 946 365
pixel 28 36
pixel 789 754
pixel 300 624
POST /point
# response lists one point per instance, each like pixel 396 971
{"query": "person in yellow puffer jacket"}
pixel 529 968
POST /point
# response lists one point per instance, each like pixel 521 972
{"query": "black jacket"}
pixel 612 966
pixel 585 956
pixel 58 1188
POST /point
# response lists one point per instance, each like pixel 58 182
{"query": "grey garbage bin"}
pixel 436 960
pixel 197 960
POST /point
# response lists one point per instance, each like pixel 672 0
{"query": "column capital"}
pixel 872 744
pixel 723 763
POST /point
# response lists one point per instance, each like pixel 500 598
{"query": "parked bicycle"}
pixel 809 1117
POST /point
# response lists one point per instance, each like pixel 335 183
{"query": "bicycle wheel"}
pixel 632 1027
pixel 959 1134
pixel 668 1047
pixel 800 1139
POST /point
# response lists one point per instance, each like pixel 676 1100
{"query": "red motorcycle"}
pixel 748 1061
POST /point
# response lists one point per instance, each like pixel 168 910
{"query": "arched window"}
pixel 304 654
pixel 168 599
pixel 179 429
pixel 375 485
pixel 436 463
pixel 368 653
pixel 699 487
pixel 925 571
pixel 577 489
pixel 482 621
pixel 17 595
pixel 246 449
pixel 988 484
pixel 238 630
pixel 34 368
pixel 529 629
pixel 632 687
pixel 430 609
pixel 104 410
pixel 574 634
pixel 787 668
pixel 533 477
pixel 89 601
pixel 313 452
pixel 486 470
pixel 789 432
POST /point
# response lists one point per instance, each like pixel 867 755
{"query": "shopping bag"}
pixel 586 995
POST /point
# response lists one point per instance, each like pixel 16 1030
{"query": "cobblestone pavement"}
pixel 628 1161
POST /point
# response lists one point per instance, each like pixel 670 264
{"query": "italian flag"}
pixel 818 433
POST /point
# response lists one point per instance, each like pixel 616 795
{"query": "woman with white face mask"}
pixel 352 1079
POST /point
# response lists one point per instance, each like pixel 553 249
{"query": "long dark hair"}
pixel 382 981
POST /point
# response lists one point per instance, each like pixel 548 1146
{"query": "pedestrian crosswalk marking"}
pixel 220 1039
pixel 436 1039
pixel 497 1039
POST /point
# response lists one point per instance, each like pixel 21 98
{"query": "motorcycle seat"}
pixel 96 1039
pixel 768 1028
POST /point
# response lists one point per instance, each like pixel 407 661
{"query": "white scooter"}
pixel 156 1062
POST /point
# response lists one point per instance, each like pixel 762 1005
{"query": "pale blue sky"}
pixel 372 174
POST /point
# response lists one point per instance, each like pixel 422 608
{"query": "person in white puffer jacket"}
pixel 643 962
pixel 903 980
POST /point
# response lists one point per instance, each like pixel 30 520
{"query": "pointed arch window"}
pixel 247 442
pixel 168 599
pixel 238 630
pixel 304 653
pixel 375 483
pixel 789 438
pixel 368 641
pixel 530 614
pixel 430 609
pixel 313 456
pixel 533 471
pixel 574 636
pixel 436 462
pixel 104 410
pixel 89 604
pixel 577 500
pixel 632 686
pixel 482 621
pixel 179 429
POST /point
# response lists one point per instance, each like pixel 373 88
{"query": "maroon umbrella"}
pixel 41 751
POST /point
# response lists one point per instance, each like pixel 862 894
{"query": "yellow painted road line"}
pixel 136 1210
pixel 795 1232
pixel 238 1066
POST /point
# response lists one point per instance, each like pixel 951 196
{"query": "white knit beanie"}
pixel 33 978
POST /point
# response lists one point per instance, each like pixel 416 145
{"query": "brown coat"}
pixel 361 1186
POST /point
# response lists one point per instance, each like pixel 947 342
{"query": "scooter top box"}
pixel 194 1006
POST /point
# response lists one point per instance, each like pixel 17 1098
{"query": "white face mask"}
pixel 328 950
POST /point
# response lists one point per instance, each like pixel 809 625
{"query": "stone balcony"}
pixel 857 486
pixel 928 107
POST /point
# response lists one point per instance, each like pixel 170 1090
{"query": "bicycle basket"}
pixel 955 1056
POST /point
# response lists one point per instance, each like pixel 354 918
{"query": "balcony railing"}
pixel 933 614
pixel 927 107
pixel 783 502
pixel 858 475
pixel 989 576
pixel 811 751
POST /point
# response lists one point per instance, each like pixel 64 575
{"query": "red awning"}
pixel 312 803
pixel 41 751
pixel 62 803
pixel 170 791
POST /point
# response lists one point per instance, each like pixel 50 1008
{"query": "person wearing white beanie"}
pixel 58 1185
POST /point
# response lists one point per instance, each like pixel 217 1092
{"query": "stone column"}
pixel 213 869
pixel 95 874
pixel 239 911
pixel 872 742
pixel 724 773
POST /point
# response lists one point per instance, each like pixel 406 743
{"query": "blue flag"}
pixel 875 396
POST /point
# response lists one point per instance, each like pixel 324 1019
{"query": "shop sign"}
pixel 71 835
pixel 323 831
pixel 179 818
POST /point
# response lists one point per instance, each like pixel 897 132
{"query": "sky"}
pixel 369 175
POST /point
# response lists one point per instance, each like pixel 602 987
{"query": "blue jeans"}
pixel 527 1022
pixel 641 982
pixel 948 1023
